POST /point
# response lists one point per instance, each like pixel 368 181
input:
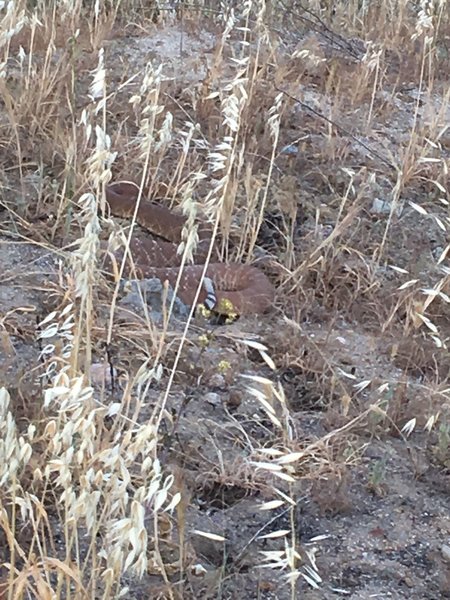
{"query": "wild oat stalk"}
pixel 281 466
pixel 274 130
pixel 147 101
pixel 84 259
pixel 15 453
pixel 104 489
pixel 222 161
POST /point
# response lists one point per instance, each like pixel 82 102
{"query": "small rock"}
pixel 101 374
pixel 445 549
pixel 213 398
pixel 384 207
pixel 217 381
pixel 152 292
pixel 198 570
pixel 290 149
pixel 234 399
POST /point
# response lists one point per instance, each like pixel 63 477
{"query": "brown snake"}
pixel 229 288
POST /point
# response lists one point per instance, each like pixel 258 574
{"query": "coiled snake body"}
pixel 229 288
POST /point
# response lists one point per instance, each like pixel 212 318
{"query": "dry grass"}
pixel 317 139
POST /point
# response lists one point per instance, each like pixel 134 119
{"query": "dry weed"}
pixel 328 117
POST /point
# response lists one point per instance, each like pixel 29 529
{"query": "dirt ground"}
pixel 371 504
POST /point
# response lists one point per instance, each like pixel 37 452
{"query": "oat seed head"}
pixel 98 86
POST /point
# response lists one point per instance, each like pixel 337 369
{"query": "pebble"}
pixel 217 381
pixel 213 398
pixel 152 291
pixel 445 549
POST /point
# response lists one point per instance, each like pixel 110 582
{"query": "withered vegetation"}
pixel 145 455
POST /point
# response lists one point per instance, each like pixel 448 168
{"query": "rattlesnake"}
pixel 228 288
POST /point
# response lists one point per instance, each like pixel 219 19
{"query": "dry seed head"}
pixel 274 559
pixel 12 22
pixel 126 542
pixel 274 118
pixel 229 24
pixel 372 56
pixel 15 452
pixel 231 112
pixel 246 8
pixel 152 78
pixel 165 133
pixel 431 422
pixel 217 161
pixel 190 230
pixel 26 505
pixel 186 139
pixel 424 23
pixel 271 505
pixel 98 166
pixel 211 536
pixel 409 427
pixel 98 85
pixel 312 568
